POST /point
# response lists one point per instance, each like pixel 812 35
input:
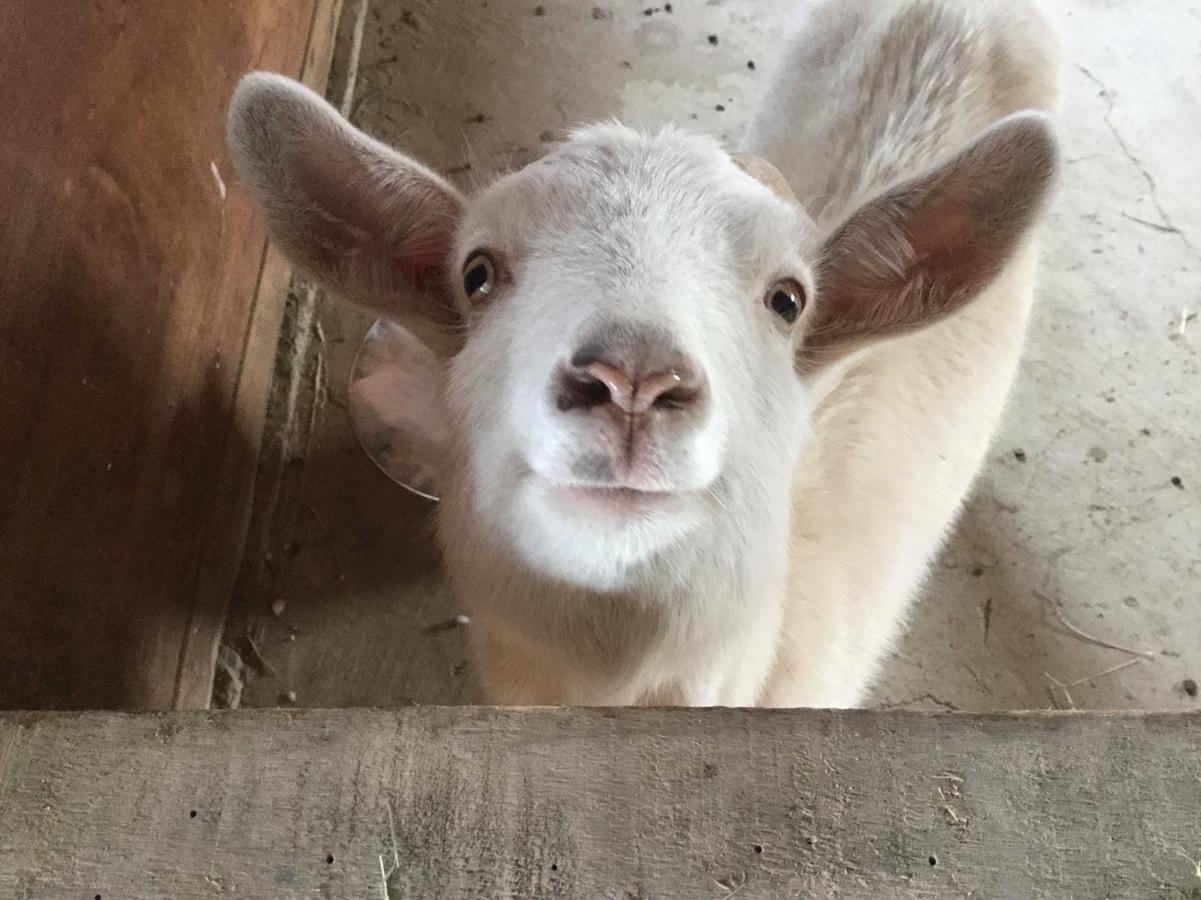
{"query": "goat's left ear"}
pixel 925 248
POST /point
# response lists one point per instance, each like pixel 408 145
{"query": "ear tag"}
pixel 397 407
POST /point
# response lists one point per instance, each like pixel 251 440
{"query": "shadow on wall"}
pixel 120 391
pixel 127 289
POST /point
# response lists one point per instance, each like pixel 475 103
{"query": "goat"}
pixel 711 414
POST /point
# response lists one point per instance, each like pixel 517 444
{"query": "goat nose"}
pixel 636 394
pixel 599 383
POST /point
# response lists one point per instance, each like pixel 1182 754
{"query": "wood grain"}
pixel 475 802
pixel 138 310
pixel 193 684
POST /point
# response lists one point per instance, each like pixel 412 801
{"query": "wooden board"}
pixel 476 802
pixel 138 313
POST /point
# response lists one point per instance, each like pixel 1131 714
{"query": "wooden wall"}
pixel 139 310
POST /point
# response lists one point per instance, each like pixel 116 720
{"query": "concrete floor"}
pixel 1090 495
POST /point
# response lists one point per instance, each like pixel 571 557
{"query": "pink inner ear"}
pixel 940 249
pixel 927 247
pixel 424 229
pixel 423 270
pixel 394 224
pixel 942 232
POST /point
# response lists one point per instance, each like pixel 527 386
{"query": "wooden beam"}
pixel 193 686
pixel 138 316
pixel 439 802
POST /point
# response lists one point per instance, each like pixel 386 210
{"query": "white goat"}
pixel 706 438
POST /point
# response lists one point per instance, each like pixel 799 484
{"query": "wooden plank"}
pixel 194 683
pixel 477 802
pixel 136 335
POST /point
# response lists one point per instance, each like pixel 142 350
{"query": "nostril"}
pixel 620 385
pixel 579 390
pixel 674 389
pixel 676 398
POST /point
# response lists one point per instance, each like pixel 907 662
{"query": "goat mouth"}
pixel 614 499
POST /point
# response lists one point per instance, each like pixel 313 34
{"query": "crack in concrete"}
pixel 1166 225
pixel 1162 229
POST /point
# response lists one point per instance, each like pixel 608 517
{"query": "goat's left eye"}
pixel 786 299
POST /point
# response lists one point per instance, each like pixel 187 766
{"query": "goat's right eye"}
pixel 479 276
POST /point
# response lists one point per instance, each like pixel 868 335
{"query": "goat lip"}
pixel 617 499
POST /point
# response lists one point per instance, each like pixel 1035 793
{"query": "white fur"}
pixel 899 435
pixel 800 508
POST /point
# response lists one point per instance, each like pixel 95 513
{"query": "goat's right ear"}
pixel 366 221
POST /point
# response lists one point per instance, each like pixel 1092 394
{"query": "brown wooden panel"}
pixel 571 804
pixel 129 293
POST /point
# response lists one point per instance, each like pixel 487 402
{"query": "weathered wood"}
pixel 194 683
pixel 138 313
pixel 475 802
